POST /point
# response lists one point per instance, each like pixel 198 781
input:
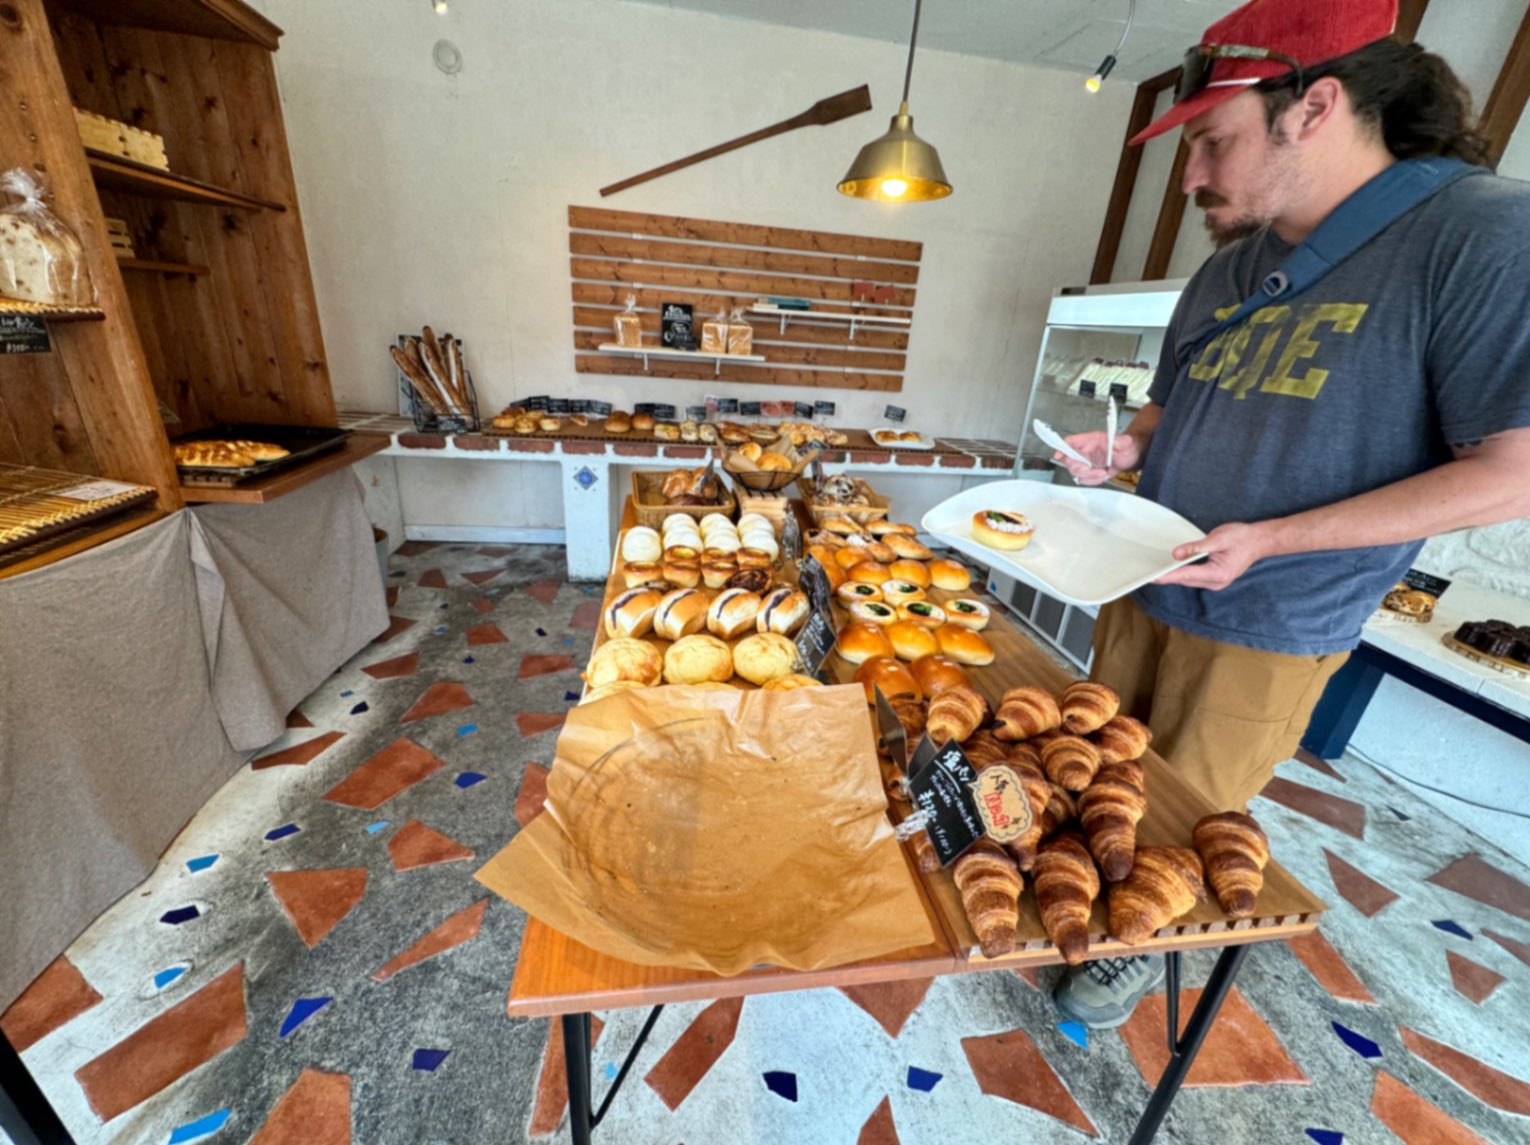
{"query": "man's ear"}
pixel 1318 105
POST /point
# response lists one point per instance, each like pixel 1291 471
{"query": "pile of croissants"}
pixel 1077 759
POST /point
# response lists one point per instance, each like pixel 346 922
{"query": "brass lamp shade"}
pixel 898 167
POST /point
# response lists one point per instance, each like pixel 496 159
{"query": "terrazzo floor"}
pixel 313 963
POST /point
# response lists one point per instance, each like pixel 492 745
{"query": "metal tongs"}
pixel 1050 436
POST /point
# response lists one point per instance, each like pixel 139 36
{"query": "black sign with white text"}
pixel 943 791
pixel 824 409
pixel 895 413
pixel 749 409
pixel 24 334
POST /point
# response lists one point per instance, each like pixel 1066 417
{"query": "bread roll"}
pixel 922 612
pixel 910 641
pixel 747 520
pixel 641 544
pixel 680 613
pixel 869 572
pixel 716 574
pixel 754 559
pixel 874 612
pixel 908 547
pixel 783 611
pixel 733 611
pixel 624 659
pixel 858 641
pixel 618 421
pixel 643 421
pixel 790 683
pixel 1001 529
pixel 762 542
pixel 936 672
pixel 879 551
pixel 844 526
pixel 883 528
pixel 696 660
pixel 901 591
pixel 849 556
pixel 750 451
pixel 774 462
pixel 674 551
pixel 852 591
pixel 887 674
pixel 611 689
pixel 968 613
pixel 642 572
pixel 631 613
pixel 914 572
pixel 963 645
pixel 764 657
pixel 948 574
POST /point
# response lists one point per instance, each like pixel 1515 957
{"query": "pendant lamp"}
pixel 898 167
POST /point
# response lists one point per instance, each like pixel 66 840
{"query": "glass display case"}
pixel 1098 340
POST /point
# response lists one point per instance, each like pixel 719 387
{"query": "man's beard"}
pixel 1224 233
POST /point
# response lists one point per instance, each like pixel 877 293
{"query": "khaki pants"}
pixel 1222 715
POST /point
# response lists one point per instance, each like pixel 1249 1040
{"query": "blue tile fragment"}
pixel 1399 814
pixel 1361 1044
pixel 781 1083
pixel 429 1060
pixel 200 1128
pixel 541 632
pixel 282 832
pixel 1326 1136
pixel 611 1071
pixel 179 915
pixel 168 975
pixel 467 659
pixel 589 590
pixel 568 640
pixel 440 630
pixel 373 828
pixel 468 778
pixel 1077 1033
pixel 302 1010
pixel 444 605
pixel 1455 928
pixel 494 592
pixel 922 1080
pixel 200 863
pixel 347 694
pixel 467 729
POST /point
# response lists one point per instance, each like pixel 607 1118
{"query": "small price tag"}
pixel 537 404
pixel 664 412
pixel 824 409
pixel 24 334
pixel 895 413
pixel 96 491
pixel 815 640
pixel 943 790
pixel 579 405
pixel 1118 391
pixel 696 413
pixel 749 409
pixel 1086 389
pixel 802 409
pixel 1001 802
pixel 1435 586
pixel 727 405
pixel 558 407
pixel 644 407
pixel 600 409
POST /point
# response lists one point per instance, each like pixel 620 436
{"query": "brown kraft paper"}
pixel 718 830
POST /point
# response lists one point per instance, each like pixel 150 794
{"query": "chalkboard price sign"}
pixel 943 791
pixel 727 405
pixel 696 413
pixel 749 409
pixel 802 409
pixel 824 409
pixel 558 407
pixel 895 413
pixel 676 326
pixel 1086 388
pixel 815 640
pixel 24 334
pixel 1118 391
pixel 600 409
pixel 664 412
pixel 537 404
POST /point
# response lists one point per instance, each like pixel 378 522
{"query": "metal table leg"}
pixel 1182 1050
pixel 25 1114
pixel 582 1116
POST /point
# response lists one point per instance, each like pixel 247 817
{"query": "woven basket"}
pixel 649 505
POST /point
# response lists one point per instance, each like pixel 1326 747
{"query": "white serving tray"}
pixel 1091 546
pixel 923 442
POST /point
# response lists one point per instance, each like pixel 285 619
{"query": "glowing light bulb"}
pixel 894 188
pixel 439 6
pixel 1092 84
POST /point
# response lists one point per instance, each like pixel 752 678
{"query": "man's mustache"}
pixel 1204 199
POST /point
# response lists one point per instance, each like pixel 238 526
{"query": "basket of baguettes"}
pixel 1078 760
pixel 768 468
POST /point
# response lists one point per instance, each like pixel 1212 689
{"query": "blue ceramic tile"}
pixel 302 1010
pixel 200 863
pixel 1357 1042
pixel 467 659
pixel 373 828
pixel 541 632
pixel 611 1071
pixel 781 1083
pixel 1326 1136
pixel 446 606
pixel 347 694
pixel 468 778
pixel 467 729
pixel 1399 814
pixel 359 708
pixel 179 915
pixel 922 1080
pixel 570 697
pixel 168 975
pixel 201 1127
pixel 1455 928
pixel 589 590
pixel 440 630
pixel 568 640
pixel 494 592
pixel 1077 1033
pixel 282 832
pixel 428 1060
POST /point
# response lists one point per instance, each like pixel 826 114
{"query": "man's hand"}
pixel 1126 455
pixel 1230 549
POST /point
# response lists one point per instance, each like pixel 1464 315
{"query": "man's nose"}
pixel 1195 176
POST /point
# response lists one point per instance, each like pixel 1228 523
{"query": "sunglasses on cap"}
pixel 1195 72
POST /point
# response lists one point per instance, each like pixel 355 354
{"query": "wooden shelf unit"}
pixel 217 321
pixel 357 447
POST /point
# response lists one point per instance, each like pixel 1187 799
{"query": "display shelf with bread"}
pixel 646 352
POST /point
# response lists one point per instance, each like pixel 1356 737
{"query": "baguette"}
pixel 435 366
pixel 417 379
pixel 459 371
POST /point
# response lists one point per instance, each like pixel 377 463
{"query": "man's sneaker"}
pixel 1103 994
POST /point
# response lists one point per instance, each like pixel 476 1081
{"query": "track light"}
pixel 1102 73
pixel 439 6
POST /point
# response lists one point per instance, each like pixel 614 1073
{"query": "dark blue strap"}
pixel 1352 224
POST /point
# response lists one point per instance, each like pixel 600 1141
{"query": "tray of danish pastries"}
pixel 39 503
pixel 226 454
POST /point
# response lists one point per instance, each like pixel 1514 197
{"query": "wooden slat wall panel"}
pixel 713 265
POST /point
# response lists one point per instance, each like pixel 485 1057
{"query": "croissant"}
pixel 911 714
pixel 1164 883
pixel 1061 807
pixel 1066 886
pixel 1122 738
pixel 982 749
pixel 1235 850
pixel 925 856
pixel 1038 789
pixel 1025 753
pixel 990 885
pixel 1087 706
pixel 955 713
pixel 1025 712
pixel 1070 761
pixel 1109 809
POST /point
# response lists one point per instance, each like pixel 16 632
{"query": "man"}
pixel 1323 436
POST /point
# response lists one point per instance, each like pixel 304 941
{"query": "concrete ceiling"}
pixel 1068 35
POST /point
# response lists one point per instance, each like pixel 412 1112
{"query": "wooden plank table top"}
pixel 556 975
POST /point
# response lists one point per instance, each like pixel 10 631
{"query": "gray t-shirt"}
pixel 1418 341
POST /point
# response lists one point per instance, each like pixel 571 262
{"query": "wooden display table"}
pixel 555 975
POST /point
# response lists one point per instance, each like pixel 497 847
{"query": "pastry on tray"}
pixel 1000 529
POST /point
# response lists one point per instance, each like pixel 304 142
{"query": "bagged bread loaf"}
pixel 41 260
pixel 629 327
pixel 740 334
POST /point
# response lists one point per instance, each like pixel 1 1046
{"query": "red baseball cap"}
pixel 1309 31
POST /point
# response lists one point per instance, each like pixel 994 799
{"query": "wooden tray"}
pixel 651 508
pixel 300 441
pixel 876 510
pixel 1497 663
